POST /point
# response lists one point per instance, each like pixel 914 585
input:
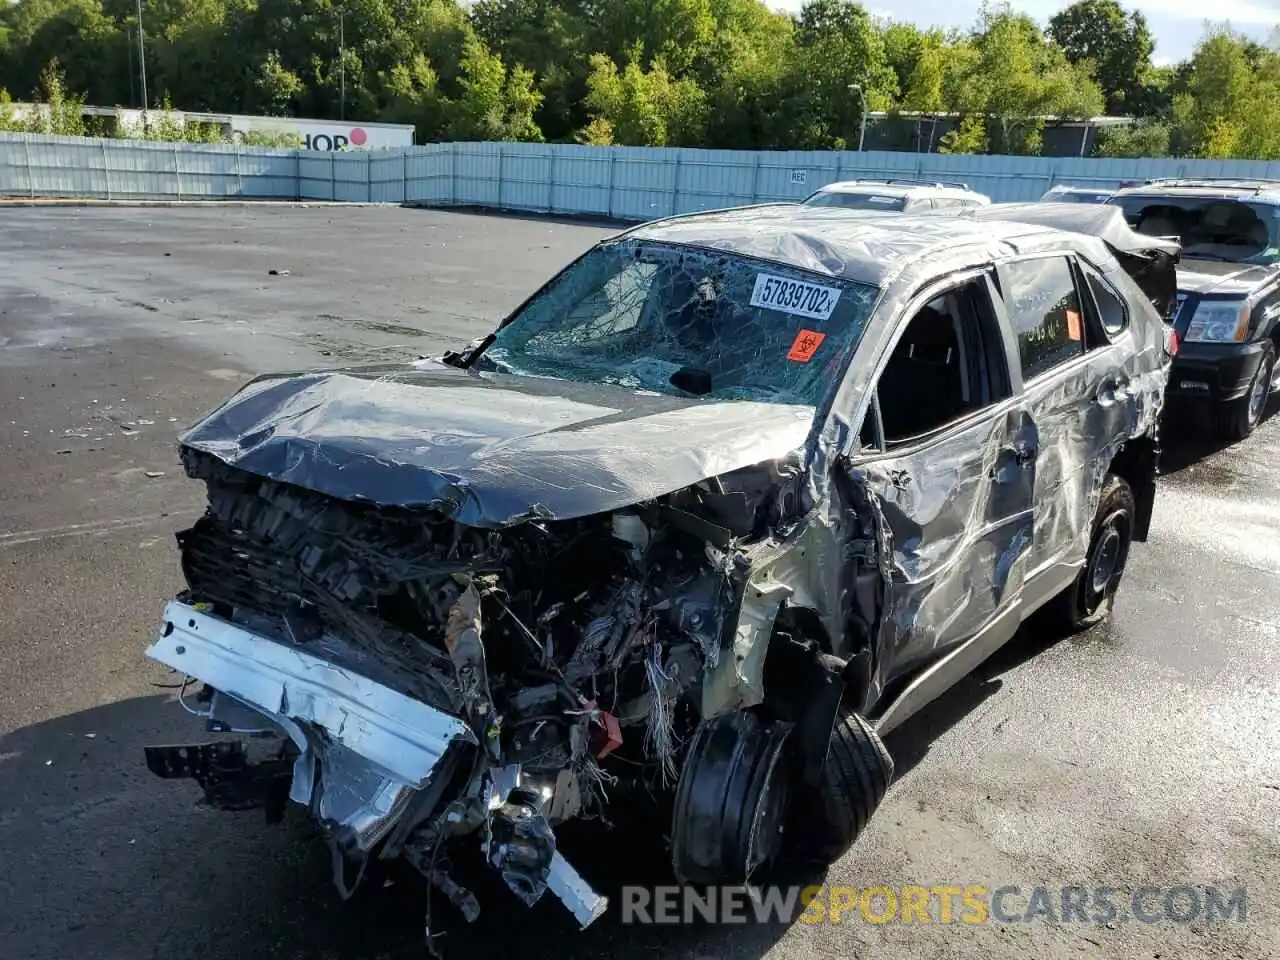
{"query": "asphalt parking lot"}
pixel 1144 753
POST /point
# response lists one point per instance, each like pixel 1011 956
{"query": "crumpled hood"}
pixel 487 449
pixel 1220 277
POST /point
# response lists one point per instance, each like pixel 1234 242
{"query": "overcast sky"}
pixel 1177 24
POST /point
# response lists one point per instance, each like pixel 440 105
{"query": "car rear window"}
pixel 639 314
pixel 1210 228
pixel 857 201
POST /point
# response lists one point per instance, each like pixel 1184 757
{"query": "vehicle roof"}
pixel 1267 191
pixel 1076 188
pixel 891 186
pixel 1104 221
pixel 844 244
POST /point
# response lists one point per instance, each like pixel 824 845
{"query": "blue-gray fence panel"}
pixel 316 176
pixel 477 174
pixel 430 173
pixel 629 183
pixel 388 176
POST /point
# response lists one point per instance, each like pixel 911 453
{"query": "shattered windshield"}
pixel 856 201
pixel 685 321
pixel 1211 228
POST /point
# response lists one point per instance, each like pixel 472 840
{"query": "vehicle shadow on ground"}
pixel 560 220
pixel 114 862
pixel 1190 441
pixel 910 743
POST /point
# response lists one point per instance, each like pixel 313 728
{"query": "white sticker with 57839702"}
pixel 796 297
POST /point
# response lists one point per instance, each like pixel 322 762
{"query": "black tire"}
pixel 1088 601
pixel 855 778
pixel 1237 419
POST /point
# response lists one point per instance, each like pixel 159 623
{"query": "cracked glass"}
pixel 685 321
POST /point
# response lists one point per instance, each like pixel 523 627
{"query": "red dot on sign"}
pixel 358 137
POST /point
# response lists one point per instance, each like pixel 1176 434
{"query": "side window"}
pixel 1044 308
pixel 1112 312
pixel 947 365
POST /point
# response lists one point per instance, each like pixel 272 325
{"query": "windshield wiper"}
pixel 692 380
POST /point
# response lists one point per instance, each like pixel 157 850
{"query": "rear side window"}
pixel 1044 308
pixel 1112 312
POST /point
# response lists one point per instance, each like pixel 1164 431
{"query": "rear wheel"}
pixel 1238 418
pixel 1088 600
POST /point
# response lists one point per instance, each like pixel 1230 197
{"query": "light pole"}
pixel 862 114
pixel 342 64
pixel 142 59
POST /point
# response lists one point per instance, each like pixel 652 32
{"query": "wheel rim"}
pixel 1105 558
pixel 1258 396
pixel 1106 561
pixel 766 830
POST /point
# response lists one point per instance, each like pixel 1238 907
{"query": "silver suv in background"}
pixel 897 196
pixel 1067 193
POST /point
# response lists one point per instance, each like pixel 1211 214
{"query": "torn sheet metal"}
pixel 486 449
pixel 1103 221
pixel 364 751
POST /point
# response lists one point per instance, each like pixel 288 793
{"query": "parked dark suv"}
pixel 1228 318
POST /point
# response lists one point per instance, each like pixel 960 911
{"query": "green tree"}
pixel 1117 45
pixel 1146 138
pixel 646 108
pixel 549 38
pixel 1017 79
pixel 839 50
pixel 495 104
pixel 1229 101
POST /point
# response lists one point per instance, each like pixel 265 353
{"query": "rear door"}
pixel 949 452
pixel 1072 335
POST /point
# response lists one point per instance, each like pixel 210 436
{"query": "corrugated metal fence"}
pixel 625 183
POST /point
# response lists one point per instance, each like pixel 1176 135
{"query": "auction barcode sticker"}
pixel 796 297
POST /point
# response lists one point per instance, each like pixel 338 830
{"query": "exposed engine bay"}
pixel 414 681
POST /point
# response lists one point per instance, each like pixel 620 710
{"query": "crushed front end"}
pixel 419 684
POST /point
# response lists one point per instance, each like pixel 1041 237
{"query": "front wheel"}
pixel 1238 418
pixel 857 773
pixel 1088 600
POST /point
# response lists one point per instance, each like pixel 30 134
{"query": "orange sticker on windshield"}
pixel 805 345
pixel 1073 325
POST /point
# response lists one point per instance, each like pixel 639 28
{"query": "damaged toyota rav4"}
pixel 730 497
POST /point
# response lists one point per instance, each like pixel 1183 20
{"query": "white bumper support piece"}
pixel 401 736
pixel 379 744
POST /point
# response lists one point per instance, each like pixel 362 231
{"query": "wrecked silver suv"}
pixel 728 498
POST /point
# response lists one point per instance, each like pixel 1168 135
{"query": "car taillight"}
pixel 1170 341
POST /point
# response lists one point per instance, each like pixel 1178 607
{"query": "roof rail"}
pixel 1257 184
pixel 913 181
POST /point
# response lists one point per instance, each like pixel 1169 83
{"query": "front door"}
pixel 949 456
